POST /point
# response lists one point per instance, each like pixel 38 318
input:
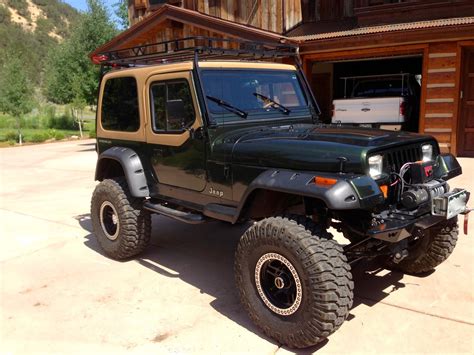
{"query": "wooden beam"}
pixel 408 37
pixel 424 91
pixel 368 52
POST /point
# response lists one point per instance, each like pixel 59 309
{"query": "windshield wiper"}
pixel 228 106
pixel 271 103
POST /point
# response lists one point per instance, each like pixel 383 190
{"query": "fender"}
pixel 447 167
pixel 132 168
pixel 348 193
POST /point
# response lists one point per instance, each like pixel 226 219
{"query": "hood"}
pixel 310 147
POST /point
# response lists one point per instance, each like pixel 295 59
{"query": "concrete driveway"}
pixel 59 294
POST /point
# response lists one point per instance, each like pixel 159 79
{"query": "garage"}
pixel 370 78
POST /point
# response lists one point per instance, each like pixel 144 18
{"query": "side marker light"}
pixel 324 181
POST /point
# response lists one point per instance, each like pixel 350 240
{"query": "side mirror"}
pixel 176 112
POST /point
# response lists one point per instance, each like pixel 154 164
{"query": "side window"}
pixel 171 105
pixel 120 105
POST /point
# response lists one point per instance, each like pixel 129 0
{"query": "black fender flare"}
pixel 350 192
pixel 132 168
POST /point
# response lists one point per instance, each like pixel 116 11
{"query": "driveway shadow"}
pixel 203 256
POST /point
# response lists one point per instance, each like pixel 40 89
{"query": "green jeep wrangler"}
pixel 185 133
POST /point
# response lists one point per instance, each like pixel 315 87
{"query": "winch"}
pixel 421 193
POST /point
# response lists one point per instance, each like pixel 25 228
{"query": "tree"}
pixel 121 11
pixel 71 61
pixel 16 92
pixel 78 103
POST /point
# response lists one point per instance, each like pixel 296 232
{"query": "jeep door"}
pixel 177 156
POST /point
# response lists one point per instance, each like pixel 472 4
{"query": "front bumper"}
pixel 394 226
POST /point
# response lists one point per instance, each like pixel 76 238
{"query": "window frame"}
pixel 152 106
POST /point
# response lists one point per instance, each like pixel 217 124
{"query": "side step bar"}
pixel 186 217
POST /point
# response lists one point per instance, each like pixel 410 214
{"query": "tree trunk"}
pixel 18 124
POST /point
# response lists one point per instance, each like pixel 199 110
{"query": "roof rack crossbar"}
pixel 184 48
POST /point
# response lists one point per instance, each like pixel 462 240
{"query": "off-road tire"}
pixel 309 225
pixel 134 223
pixel 323 271
pixel 433 248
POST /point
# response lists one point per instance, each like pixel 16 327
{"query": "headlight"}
pixel 375 165
pixel 427 150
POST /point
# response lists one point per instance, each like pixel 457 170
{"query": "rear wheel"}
pixel 295 286
pixel 122 227
pixel 431 249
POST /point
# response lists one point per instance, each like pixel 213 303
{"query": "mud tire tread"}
pixel 323 270
pixel 135 222
pixel 440 243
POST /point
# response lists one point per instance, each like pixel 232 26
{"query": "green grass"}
pixel 37 135
pixel 49 122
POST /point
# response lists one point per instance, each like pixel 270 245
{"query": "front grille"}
pixel 398 156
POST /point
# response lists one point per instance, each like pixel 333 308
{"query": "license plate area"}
pixel 450 204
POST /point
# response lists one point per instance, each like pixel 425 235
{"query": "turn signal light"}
pixel 319 180
pixel 384 189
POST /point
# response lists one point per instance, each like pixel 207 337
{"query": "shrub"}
pixel 57 135
pixel 4 14
pixel 7 121
pixel 21 6
pixel 11 136
pixel 39 137
pixel 31 122
pixel 62 122
pixel 47 113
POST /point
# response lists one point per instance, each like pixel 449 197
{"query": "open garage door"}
pixel 386 89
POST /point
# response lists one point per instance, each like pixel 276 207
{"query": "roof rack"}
pixel 187 48
pixel 198 48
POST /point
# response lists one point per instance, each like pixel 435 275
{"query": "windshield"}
pixel 259 94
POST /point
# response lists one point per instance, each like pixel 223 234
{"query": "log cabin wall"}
pixel 441 90
pixel 272 15
pixel 171 29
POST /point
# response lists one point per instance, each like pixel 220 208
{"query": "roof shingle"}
pixel 386 28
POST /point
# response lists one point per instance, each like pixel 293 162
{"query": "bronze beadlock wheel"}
pixel 109 220
pixel 278 284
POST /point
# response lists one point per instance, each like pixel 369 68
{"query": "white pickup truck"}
pixel 381 101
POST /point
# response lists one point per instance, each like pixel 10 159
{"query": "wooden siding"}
pixel 272 15
pixel 169 30
pixel 381 12
pixel 440 84
pixel 439 111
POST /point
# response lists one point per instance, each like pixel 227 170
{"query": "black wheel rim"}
pixel 109 220
pixel 278 284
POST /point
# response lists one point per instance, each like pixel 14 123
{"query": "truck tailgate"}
pixel 369 110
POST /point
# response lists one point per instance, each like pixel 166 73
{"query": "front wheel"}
pixel 295 286
pixel 431 249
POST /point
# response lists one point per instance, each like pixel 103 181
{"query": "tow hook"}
pixel 400 255
pixel 400 251
pixel 466 218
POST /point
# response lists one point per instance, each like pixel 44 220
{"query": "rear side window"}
pixel 172 106
pixel 120 105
